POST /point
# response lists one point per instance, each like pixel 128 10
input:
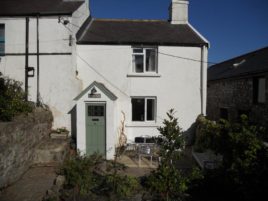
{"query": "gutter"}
pixel 202 79
pixel 139 43
pixel 35 14
pixel 26 56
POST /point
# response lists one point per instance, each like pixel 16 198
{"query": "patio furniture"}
pixel 147 150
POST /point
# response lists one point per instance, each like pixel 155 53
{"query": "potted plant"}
pixel 59 133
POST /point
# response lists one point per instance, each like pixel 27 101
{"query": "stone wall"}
pixel 18 140
pixel 236 95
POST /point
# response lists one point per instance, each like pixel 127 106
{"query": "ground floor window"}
pixel 259 90
pixel 143 108
pixel 224 114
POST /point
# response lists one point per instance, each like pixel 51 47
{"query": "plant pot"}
pixel 62 135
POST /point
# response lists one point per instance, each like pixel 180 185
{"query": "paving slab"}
pixel 32 186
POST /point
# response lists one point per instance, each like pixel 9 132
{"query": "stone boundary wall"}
pixel 18 141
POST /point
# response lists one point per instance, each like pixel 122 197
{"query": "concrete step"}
pixel 52 152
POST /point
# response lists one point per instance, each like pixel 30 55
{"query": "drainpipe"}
pixel 37 60
pixel 26 57
pixel 202 80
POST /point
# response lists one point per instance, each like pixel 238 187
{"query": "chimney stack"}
pixel 178 11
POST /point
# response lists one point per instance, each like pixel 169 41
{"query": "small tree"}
pixel 172 141
pixel 167 181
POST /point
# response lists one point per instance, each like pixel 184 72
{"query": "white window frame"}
pixel 143 53
pixel 145 108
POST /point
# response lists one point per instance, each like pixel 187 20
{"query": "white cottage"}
pixel 92 71
pixel 49 59
pixel 141 68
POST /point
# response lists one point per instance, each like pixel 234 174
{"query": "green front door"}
pixel 95 129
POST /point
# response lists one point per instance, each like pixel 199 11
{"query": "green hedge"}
pixel 12 100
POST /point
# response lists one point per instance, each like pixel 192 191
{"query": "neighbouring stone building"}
pixel 239 86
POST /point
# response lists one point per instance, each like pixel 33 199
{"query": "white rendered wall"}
pixel 176 86
pixel 58 82
pixel 111 127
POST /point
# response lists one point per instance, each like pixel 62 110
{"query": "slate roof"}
pixel 247 64
pixel 13 8
pixel 147 32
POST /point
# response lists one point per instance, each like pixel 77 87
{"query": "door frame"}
pixel 103 103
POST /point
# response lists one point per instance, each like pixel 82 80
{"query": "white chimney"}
pixel 178 11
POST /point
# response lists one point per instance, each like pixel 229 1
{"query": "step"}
pixel 52 151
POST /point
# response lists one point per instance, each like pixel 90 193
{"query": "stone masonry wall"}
pixel 18 140
pixel 236 95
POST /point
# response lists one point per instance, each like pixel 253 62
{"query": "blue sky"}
pixel 233 27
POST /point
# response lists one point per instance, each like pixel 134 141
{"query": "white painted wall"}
pixel 177 84
pixel 111 127
pixel 58 81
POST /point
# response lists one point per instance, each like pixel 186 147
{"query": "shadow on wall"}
pixel 72 112
pixel 189 134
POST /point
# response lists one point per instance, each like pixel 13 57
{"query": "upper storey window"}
pixel 2 39
pixel 144 60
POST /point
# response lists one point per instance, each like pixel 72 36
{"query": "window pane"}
pixel 138 50
pixel 150 60
pixel 2 48
pixel 2 30
pixel 138 63
pixel 2 39
pixel 261 90
pixel 138 109
pixel 224 113
pixel 150 109
pixel 97 111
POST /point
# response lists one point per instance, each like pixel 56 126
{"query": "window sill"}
pixel 143 75
pixel 142 124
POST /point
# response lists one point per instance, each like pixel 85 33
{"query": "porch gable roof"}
pixel 101 87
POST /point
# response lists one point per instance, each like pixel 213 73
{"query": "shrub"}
pixel 244 170
pixel 12 100
pixel 87 175
pixel 167 182
pixel 119 186
pixel 79 172
pixel 116 185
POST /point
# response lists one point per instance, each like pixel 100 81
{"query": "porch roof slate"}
pixel 100 86
pixel 16 8
pixel 147 32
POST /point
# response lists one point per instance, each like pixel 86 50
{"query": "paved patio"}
pixel 32 186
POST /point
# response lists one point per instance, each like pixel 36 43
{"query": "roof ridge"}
pixel 240 56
